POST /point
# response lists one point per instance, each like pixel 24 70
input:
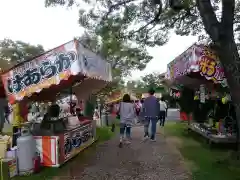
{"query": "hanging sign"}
pixel 197 58
pixel 181 65
pixel 41 72
pixel 209 65
pixel 93 65
pixel 202 93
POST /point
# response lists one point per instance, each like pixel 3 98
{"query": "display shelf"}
pixel 212 138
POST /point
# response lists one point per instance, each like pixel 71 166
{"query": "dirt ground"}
pixel 137 161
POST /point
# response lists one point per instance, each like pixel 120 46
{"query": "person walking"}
pixel 138 109
pixel 163 108
pixel 151 112
pixel 127 116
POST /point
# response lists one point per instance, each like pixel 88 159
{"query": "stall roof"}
pixel 197 59
pixel 52 68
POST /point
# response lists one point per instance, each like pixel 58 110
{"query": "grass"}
pixel 204 163
pixel 103 134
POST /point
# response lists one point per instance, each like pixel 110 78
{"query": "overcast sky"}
pixel 30 21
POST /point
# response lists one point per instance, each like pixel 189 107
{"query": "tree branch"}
pixel 155 19
pixel 211 24
pixel 143 27
pixel 227 19
pixel 112 7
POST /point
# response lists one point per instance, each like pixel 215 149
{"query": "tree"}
pixel 131 85
pixel 120 54
pixel 123 57
pixel 136 86
pixel 13 52
pixel 155 19
pixel 17 51
pixel 152 80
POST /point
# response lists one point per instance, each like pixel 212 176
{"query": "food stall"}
pixel 200 79
pixel 59 137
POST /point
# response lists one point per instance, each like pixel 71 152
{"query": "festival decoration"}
pixel 52 68
pixel 197 58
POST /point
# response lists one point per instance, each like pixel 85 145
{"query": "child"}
pixel 127 116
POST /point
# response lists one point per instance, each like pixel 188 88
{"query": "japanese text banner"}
pixel 42 72
pixel 197 58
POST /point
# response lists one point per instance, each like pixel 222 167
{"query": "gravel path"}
pixel 138 161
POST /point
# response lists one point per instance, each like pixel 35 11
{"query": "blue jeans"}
pixel 125 129
pixel 153 121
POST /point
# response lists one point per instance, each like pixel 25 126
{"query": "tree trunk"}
pixel 221 33
pixel 230 60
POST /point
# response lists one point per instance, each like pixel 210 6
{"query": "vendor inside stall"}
pixel 58 126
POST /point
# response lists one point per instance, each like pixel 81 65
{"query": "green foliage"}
pixel 149 23
pixel 152 80
pixel 123 56
pixel 115 86
pixel 17 51
pixel 104 134
pixel 202 161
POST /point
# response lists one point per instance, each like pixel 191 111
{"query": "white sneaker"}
pixel 127 142
pixel 145 138
pixel 120 143
pixel 153 140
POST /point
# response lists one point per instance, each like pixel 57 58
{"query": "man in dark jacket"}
pixel 151 110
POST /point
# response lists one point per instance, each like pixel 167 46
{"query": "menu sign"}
pixel 76 140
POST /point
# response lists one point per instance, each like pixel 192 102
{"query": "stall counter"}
pixel 58 149
pixel 211 137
